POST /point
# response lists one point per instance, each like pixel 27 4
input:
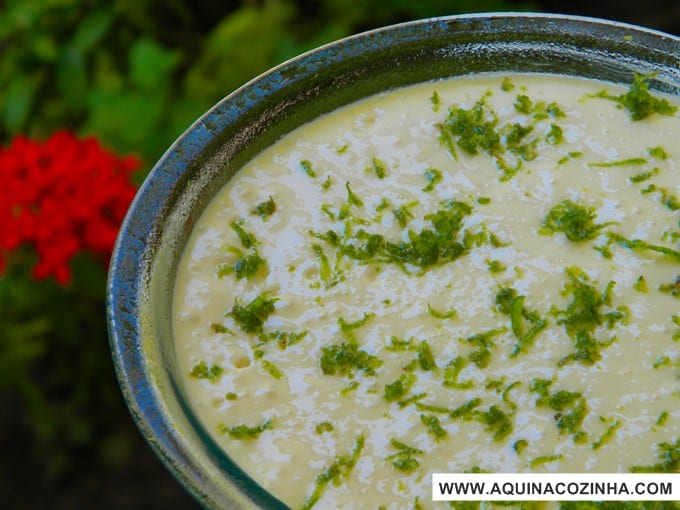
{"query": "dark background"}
pixel 127 475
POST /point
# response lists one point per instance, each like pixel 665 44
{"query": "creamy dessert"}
pixel 476 274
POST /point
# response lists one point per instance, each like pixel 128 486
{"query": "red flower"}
pixel 62 197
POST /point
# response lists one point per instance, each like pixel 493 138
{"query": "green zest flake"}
pixel 544 459
pixel 638 244
pixel 483 200
pixel 379 168
pixel 433 425
pixel 324 426
pixel 676 321
pixel 474 129
pixel 283 338
pixel 496 421
pixel 523 104
pixel 672 288
pixel 481 357
pixel 347 328
pixel 555 135
pixel 327 183
pixel 399 388
pixel 247 239
pixel 403 460
pixel 587 350
pixel 465 410
pixel 436 101
pixel 345 359
pixel 571 422
pixel 662 419
pixel 607 436
pixel 452 371
pixel 658 152
pixel 250 318
pixel 246 266
pixel 271 369
pixel 482 341
pixel 432 408
pixel 398 345
pixel 574 220
pixel 411 400
pixel 584 314
pixel 382 205
pixel 514 135
pixel 325 271
pixel 506 85
pixel 266 208
pixel 450 314
pixel 425 357
pixel 662 361
pixel 432 176
pixel 570 155
pixel 334 473
pixel 220 329
pixel 231 396
pixel 520 445
pixel 352 198
pixel 669 459
pixel 203 371
pixel 561 401
pixel 495 266
pixel 670 236
pixel 512 305
pixel 244 431
pixel 540 386
pixel 403 214
pixel 638 100
pixel 667 198
pixel 327 210
pixel 641 177
pixel 622 162
pixel 496 242
pixel 505 396
pixel 423 249
pixel 551 109
pixel 353 385
pixel 307 167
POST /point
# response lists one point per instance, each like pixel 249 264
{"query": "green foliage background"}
pixel 136 73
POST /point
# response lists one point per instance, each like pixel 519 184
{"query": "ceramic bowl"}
pixel 206 156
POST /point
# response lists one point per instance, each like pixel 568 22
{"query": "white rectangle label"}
pixel 556 487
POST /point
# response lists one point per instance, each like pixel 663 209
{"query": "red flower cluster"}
pixel 62 196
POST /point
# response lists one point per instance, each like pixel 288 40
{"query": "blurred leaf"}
pixel 151 65
pixel 72 78
pixel 242 46
pixel 44 48
pixel 124 118
pixel 19 346
pixel 91 30
pixel 19 99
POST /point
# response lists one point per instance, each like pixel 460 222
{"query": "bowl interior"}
pixel 206 156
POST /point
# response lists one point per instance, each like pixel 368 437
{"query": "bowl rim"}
pixel 136 252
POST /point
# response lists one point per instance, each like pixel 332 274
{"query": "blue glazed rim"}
pixel 203 159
